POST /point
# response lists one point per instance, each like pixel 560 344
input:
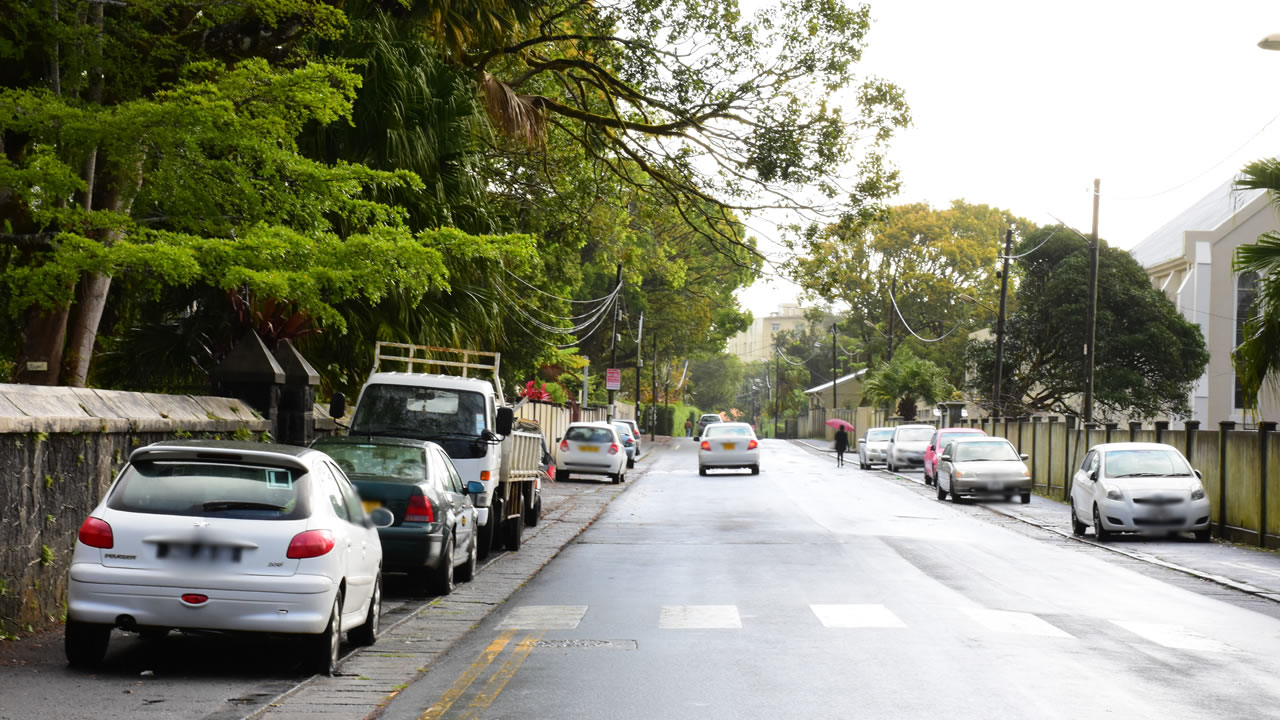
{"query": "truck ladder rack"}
pixel 422 358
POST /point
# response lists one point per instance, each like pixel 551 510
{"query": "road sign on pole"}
pixel 613 379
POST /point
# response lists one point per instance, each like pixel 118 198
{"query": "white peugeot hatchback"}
pixel 592 448
pixel 227 536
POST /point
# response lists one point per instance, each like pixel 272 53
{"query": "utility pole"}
pixel 777 386
pixel 998 399
pixel 613 359
pixel 893 293
pixel 835 375
pixel 639 365
pixel 653 426
pixel 1091 320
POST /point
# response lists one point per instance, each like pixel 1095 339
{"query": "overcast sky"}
pixel 1020 105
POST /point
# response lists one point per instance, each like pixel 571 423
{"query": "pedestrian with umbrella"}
pixel 842 438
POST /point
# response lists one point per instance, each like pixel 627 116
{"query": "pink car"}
pixel 936 444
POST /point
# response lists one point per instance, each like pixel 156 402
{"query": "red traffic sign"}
pixel 613 379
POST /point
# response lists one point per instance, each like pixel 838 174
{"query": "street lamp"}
pixel 1270 42
pixel 977 302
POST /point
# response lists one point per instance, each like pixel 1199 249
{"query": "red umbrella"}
pixel 838 423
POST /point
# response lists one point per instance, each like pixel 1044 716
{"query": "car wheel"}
pixel 534 513
pixel 955 496
pixel 1202 536
pixel 515 533
pixel 942 494
pixel 702 471
pixel 1026 498
pixel 631 462
pixel 1077 527
pixel 484 533
pixel 1101 533
pixel 367 634
pixel 925 472
pixel 322 653
pixel 441 578
pixel 85 644
pixel 562 475
pixel 755 469
pixel 466 572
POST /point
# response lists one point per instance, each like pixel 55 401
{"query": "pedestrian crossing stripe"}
pixel 860 616
pixel 856 616
pixel 699 617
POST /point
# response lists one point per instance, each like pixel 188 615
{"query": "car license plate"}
pixel 370 505
pixel 995 485
pixel 589 448
pixel 730 446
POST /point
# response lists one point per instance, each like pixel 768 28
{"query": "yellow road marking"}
pixel 502 676
pixel 464 681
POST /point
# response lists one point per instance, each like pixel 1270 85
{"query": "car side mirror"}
pixel 505 420
pixel 946 458
pixel 1024 456
pixel 475 487
pixel 382 517
pixel 1093 475
pixel 1199 474
pixel 338 405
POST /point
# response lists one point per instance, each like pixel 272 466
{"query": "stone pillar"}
pixel 1264 428
pixel 1048 482
pixel 1134 427
pixel 1161 426
pixel 1224 428
pixel 249 373
pixel 1192 428
pixel 1111 428
pixel 297 425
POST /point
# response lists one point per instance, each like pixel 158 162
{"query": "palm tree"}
pixel 1257 358
pixel 904 380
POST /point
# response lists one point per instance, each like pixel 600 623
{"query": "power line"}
pixel 940 338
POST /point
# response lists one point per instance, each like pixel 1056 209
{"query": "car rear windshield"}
pixel 922 434
pixel 175 487
pixel 979 451
pixel 623 429
pixel 1145 463
pixel 879 435
pixel 728 430
pixel 393 463
pixel 589 435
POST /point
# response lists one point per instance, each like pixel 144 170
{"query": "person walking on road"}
pixel 688 428
pixel 842 444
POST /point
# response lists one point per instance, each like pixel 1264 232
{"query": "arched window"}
pixel 1246 291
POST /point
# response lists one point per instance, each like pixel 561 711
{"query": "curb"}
pixel 1132 554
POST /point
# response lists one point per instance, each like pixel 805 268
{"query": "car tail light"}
pixel 420 510
pixel 613 448
pixel 564 446
pixel 96 533
pixel 753 445
pixel 706 445
pixel 309 544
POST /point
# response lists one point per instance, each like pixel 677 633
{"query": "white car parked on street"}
pixel 728 445
pixel 1138 488
pixel 906 447
pixel 874 447
pixel 227 536
pixel 592 448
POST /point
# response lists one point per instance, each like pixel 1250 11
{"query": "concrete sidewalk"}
pixel 1247 569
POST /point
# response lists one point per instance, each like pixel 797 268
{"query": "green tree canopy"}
pixel 1148 356
pixel 903 381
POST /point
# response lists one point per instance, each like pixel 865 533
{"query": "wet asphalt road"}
pixel 813 592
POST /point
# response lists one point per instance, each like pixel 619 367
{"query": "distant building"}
pixel 848 392
pixel 1189 260
pixel 756 342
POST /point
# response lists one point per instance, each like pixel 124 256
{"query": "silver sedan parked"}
pixel 874 447
pixel 983 466
pixel 1138 488
pixel 728 445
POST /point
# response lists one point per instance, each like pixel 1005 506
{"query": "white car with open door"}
pixel 229 537
pixel 1145 488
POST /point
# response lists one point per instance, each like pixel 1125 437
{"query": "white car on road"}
pixel 907 446
pixel 592 448
pixel 1138 488
pixel 728 445
pixel 227 536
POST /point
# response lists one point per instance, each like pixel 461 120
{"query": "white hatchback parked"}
pixel 227 536
pixel 1138 488
pixel 591 448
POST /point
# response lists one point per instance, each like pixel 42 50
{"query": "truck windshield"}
pixel 420 412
